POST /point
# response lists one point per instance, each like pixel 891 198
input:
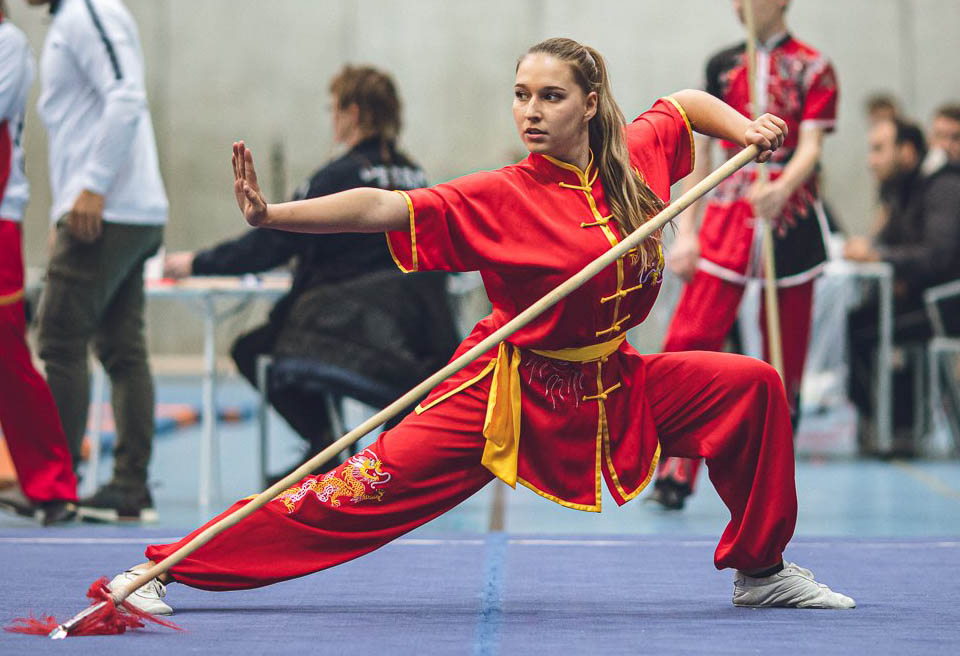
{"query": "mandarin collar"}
pixel 562 171
pixel 774 41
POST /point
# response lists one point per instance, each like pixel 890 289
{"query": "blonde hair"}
pixel 631 201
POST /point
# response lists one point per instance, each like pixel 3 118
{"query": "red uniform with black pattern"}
pixel 527 228
pixel 797 83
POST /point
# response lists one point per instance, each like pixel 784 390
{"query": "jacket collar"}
pixel 562 171
pixel 774 42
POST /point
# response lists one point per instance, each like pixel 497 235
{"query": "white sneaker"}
pixel 148 598
pixel 793 587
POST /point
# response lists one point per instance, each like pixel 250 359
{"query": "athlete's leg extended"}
pixel 425 466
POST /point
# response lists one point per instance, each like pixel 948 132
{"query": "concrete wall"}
pixel 223 69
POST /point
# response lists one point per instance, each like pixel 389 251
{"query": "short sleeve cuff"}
pixel 827 125
pixel 671 101
pixel 403 243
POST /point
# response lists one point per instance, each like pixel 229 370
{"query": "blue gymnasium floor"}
pixel 629 580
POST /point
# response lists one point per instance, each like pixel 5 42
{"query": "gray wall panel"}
pixel 222 69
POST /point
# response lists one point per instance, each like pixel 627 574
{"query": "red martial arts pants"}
pixel 726 408
pixel 703 318
pixel 31 424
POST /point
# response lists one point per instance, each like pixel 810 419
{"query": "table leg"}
pixel 263 364
pixel 933 380
pixel 209 479
pixel 884 383
pixel 92 479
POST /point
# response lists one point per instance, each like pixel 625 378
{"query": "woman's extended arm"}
pixel 354 210
pixel 711 116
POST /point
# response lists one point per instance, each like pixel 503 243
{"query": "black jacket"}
pixel 349 304
pixel 922 236
pixel 320 258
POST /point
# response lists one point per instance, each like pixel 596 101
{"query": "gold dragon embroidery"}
pixel 357 480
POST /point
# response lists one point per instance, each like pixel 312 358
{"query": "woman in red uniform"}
pixel 566 403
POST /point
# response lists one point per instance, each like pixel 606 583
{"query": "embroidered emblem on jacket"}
pixel 562 381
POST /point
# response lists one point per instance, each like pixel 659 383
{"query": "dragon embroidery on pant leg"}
pixel 358 479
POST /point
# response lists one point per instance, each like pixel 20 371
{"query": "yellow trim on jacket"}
pixel 420 409
pixel 693 150
pixel 413 238
pixel 586 186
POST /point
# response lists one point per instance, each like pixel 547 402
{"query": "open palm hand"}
pixel 249 197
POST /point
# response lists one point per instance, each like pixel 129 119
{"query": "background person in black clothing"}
pixel 349 305
pixel 920 237
pixel 944 138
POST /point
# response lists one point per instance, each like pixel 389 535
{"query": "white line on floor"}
pixel 547 542
pixel 520 542
pixel 36 540
pixel 429 542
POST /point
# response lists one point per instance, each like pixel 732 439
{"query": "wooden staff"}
pixel 730 167
pixel 774 343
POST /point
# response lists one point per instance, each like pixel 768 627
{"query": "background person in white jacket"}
pixel 109 208
pixel 28 416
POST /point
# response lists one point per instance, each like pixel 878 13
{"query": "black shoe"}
pixel 57 512
pixel 112 503
pixel 13 500
pixel 669 494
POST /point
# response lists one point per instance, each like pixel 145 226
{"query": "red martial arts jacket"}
pixel 798 84
pixel 567 404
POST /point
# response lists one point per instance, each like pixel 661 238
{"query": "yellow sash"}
pixel 501 427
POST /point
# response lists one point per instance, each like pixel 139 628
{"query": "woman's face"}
pixel 550 109
pixel 766 13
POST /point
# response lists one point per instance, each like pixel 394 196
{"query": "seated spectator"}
pixel 349 306
pixel 944 139
pixel 882 107
pixel 921 240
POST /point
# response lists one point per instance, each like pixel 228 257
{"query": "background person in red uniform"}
pixel 565 403
pixel 28 416
pixel 797 83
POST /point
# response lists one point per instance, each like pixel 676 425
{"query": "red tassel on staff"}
pixel 106 619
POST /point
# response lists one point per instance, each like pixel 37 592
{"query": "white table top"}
pixel 220 286
pixel 867 269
